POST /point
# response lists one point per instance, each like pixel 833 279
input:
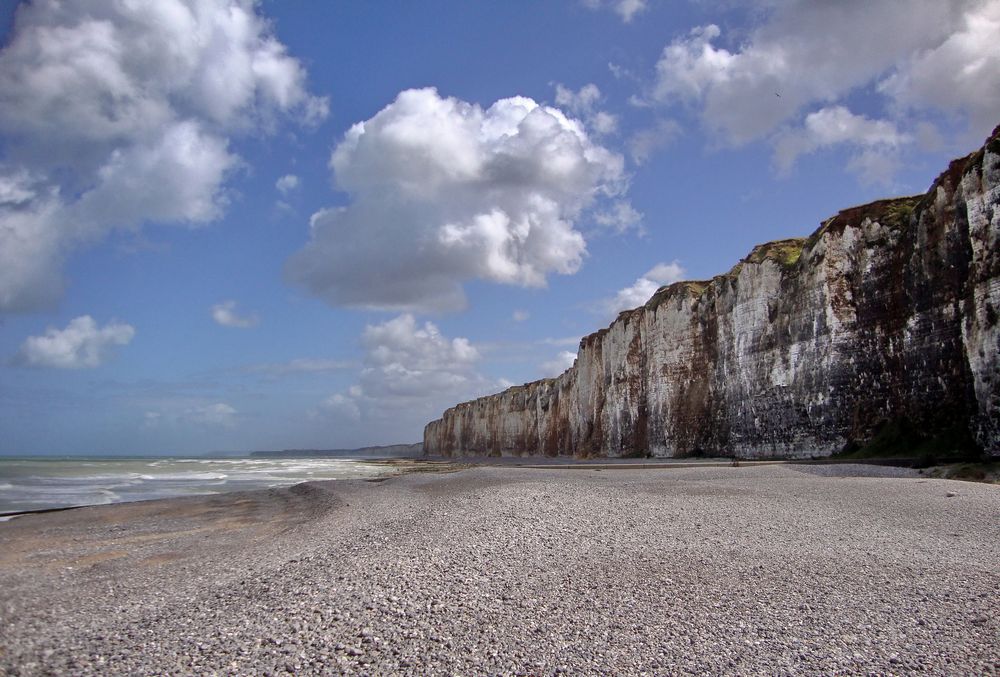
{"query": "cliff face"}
pixel 887 312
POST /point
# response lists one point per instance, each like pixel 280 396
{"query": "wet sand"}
pixel 773 569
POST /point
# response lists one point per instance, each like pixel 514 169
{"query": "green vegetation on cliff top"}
pixel 783 252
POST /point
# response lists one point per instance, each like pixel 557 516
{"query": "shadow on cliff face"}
pixel 900 438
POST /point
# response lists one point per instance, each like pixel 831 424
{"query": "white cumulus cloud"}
pixel 806 58
pixel 877 142
pixel 644 287
pixel 961 74
pixel 443 191
pixel 82 344
pixel 226 314
pixel 114 114
pixel 411 372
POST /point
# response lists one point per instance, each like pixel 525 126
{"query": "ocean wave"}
pixel 80 479
pixel 192 476
pixel 49 484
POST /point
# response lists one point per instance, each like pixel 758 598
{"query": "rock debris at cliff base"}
pixel 887 315
pixel 754 570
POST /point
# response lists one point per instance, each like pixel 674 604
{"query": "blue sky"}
pixel 228 225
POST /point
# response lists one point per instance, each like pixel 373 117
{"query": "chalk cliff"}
pixel 888 312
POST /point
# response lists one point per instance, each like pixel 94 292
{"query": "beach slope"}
pixel 769 569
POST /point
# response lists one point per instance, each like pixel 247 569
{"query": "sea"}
pixel 41 483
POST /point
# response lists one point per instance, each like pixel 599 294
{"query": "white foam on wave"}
pixel 73 483
pixel 127 480
pixel 192 476
pixel 82 479
pixel 108 496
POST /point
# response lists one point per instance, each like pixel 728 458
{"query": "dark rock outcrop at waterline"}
pixel 887 313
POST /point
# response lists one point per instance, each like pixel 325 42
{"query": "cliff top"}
pixel 509 391
pixel 787 253
pixel 894 212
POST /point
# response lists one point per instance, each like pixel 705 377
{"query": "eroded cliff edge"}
pixel 888 312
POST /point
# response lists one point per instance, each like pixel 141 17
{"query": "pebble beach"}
pixel 771 569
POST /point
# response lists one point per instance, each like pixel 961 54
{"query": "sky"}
pixel 229 225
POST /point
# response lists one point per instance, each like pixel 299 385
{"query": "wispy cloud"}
pixel 564 341
pixel 625 9
pixel 643 288
pixel 645 142
pixel 300 366
pixel 287 183
pixel 225 314
pixel 558 364
pixel 215 414
pixel 584 103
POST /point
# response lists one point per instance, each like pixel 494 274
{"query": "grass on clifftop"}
pixel 784 252
pixel 898 213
